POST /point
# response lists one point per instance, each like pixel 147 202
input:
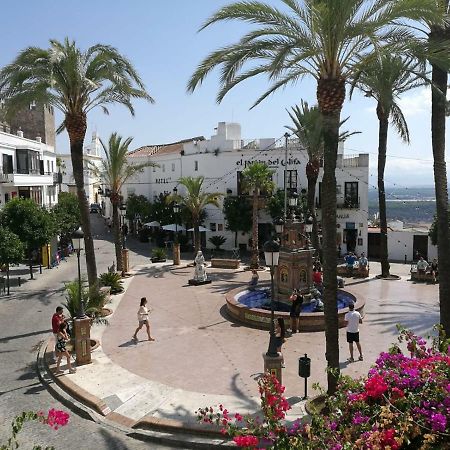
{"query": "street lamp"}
pixel 77 240
pixel 123 211
pixel 271 255
pixel 176 210
pixel 309 225
pixel 279 225
pixel 293 199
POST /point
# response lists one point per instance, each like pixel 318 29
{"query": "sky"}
pixel 161 39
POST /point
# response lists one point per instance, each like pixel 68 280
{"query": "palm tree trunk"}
pixel 330 96
pixel 117 235
pixel 312 182
pixel 255 250
pixel 382 147
pixel 76 128
pixel 438 110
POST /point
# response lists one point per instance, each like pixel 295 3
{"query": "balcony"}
pixel 30 178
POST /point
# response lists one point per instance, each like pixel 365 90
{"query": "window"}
pixel 212 226
pixel 338 189
pixel 7 163
pixel 360 241
pixel 27 162
pixel 291 179
pixel 53 168
pixel 6 197
pixel 351 199
pixel 48 166
pixel 196 166
pixel 220 227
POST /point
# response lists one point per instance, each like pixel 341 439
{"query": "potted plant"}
pixel 113 280
pixel 217 241
pixel 158 255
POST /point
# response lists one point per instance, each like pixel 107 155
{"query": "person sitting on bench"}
pixel 254 280
pixel 350 261
pixel 422 266
pixel 363 264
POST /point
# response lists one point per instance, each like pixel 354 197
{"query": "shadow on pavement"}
pixel 20 336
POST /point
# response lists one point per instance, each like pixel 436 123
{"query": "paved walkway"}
pixel 201 358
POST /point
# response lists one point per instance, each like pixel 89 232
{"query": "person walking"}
pixel 280 333
pixel 143 320
pixel 296 305
pixel 352 320
pixel 61 350
pixel 57 319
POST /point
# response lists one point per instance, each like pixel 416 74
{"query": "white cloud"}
pixel 417 102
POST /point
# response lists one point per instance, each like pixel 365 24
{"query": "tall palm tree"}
pixel 309 131
pixel 195 201
pixel 257 178
pixel 114 172
pixel 327 40
pixel 75 82
pixel 385 78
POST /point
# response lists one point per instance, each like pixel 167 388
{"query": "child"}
pixel 61 350
pixel 143 320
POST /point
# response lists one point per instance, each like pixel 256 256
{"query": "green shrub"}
pixel 93 300
pixel 217 241
pixel 159 253
pixel 113 280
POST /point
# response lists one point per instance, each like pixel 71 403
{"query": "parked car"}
pixel 95 208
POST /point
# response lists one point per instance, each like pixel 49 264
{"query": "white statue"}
pixel 200 270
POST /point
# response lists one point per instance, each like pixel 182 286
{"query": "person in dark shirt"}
pixel 434 269
pixel 296 305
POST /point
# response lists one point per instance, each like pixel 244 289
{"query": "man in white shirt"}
pixel 352 320
pixel 422 265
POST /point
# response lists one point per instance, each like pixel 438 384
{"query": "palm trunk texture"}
pixel 76 128
pixel 312 182
pixel 255 250
pixel 330 96
pixel 382 146
pixel 117 236
pixel 438 117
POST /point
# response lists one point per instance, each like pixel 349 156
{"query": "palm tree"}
pixel 115 171
pixel 75 82
pixel 327 40
pixel 309 131
pixel 385 78
pixel 256 178
pixel 195 201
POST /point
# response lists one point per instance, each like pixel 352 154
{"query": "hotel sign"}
pixel 276 162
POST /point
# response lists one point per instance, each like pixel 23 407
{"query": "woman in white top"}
pixel 143 320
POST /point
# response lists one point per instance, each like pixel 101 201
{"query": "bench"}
pixel 357 272
pixel 223 263
pixel 417 275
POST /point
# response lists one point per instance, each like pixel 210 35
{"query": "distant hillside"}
pixel 410 205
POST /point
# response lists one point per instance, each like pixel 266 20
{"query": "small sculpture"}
pixel 200 268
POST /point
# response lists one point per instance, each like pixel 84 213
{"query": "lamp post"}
pixel 176 245
pixel 309 225
pixel 82 323
pixel 124 231
pixel 271 255
pixel 279 225
pixel 77 240
pixel 286 137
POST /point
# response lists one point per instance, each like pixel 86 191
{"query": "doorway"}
pixel 420 246
pixel 350 238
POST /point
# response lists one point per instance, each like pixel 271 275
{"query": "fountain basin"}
pixel 249 311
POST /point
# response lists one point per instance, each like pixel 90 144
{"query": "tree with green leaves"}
pixel 256 178
pixel 114 171
pixel 74 82
pixel 67 215
pixel 433 232
pixel 328 40
pixel 237 212
pixel 309 131
pixel 195 200
pixel 138 205
pixel 33 225
pixel 385 78
pixel 11 250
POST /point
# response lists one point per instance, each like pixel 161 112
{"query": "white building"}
pixel 404 244
pixel 28 169
pixel 221 160
pixel 91 156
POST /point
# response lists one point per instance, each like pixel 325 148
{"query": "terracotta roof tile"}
pixel 163 149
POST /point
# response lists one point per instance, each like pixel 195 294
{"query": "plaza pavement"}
pixel 201 357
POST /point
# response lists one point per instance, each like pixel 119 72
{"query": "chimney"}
pixel 38 139
pixel 20 132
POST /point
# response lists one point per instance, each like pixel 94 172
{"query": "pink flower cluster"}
pixel 249 441
pixel 55 418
